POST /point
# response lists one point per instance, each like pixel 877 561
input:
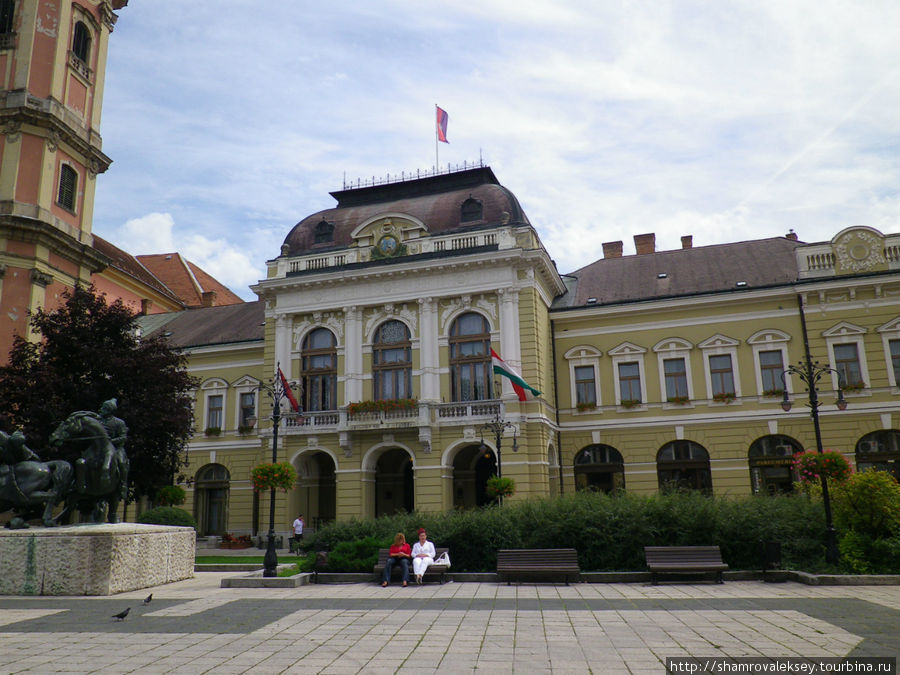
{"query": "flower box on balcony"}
pixel 724 397
pixel 631 403
pixel 585 405
pixel 382 406
pixel 678 400
pixel 213 431
pixel 773 393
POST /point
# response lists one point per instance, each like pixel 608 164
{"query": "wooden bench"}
pixel 432 571
pixel 538 562
pixel 684 560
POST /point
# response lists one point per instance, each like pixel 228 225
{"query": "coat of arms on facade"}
pixel 858 250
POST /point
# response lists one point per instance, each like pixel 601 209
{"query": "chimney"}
pixel 612 249
pixel 208 299
pixel 791 235
pixel 687 241
pixel 645 243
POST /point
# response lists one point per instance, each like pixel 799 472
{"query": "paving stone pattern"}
pixel 194 626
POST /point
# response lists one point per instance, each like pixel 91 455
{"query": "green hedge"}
pixel 609 532
pixel 168 515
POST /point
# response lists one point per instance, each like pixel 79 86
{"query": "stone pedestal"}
pixel 94 559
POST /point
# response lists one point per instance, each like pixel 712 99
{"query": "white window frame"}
pixel 673 348
pixel 245 385
pixel 721 345
pixel 214 387
pixel 628 352
pixel 769 340
pixel 583 355
pixel 842 334
pixel 890 331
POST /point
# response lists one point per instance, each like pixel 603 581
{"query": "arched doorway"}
pixel 879 450
pixel 599 467
pixel 472 467
pixel 316 494
pixel 771 464
pixel 394 483
pixel 683 465
pixel 211 500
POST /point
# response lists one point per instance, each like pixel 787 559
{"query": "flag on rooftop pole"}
pixel 520 386
pixel 288 392
pixel 442 119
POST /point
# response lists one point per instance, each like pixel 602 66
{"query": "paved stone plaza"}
pixel 194 626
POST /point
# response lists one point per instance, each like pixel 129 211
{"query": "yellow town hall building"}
pixel 656 369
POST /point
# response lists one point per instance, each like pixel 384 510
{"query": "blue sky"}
pixel 228 122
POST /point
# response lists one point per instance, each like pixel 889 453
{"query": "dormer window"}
pixel 471 210
pixel 81 42
pixel 324 232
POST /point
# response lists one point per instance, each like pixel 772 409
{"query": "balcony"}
pixel 420 415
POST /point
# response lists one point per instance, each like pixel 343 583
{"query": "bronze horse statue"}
pixel 99 476
pixel 29 487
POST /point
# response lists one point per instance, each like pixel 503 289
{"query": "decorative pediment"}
pixel 627 349
pixel 583 352
pixel 859 249
pixel 892 326
pixel 388 232
pixel 245 381
pixel 842 329
pixel 672 344
pixel 391 311
pixel 214 383
pixel 768 336
pixel 453 307
pixel 718 341
pixel 333 321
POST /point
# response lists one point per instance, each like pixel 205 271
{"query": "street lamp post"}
pixel 497 426
pixel 277 391
pixel 810 372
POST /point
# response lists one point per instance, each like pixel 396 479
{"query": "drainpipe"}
pixel 556 405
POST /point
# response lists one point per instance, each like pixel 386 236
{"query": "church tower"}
pixel 52 65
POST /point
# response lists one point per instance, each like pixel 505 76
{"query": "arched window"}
pixel 599 467
pixel 324 232
pixel 211 499
pixel 470 358
pixel 683 465
pixel 7 14
pixel 771 459
pixel 392 362
pixel 68 185
pixel 318 358
pixel 81 42
pixel 471 210
pixel 879 450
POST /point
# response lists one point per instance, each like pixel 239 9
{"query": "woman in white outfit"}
pixel 422 555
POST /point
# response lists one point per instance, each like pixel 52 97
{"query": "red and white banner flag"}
pixel 521 387
pixel 442 119
pixel 288 392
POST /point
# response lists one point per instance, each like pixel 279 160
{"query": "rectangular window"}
pixel 630 382
pixel 846 362
pixel 248 408
pixel 214 417
pixel 721 375
pixel 676 378
pixel 68 184
pixel 585 391
pixel 895 359
pixel 770 369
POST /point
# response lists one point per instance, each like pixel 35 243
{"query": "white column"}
pixel 430 380
pixel 510 341
pixel 283 336
pixel 353 389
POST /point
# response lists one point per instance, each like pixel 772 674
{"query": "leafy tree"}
pixel 88 353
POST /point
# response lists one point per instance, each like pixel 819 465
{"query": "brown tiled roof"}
pixel 128 264
pixel 705 269
pixel 186 280
pixel 201 326
pixel 435 200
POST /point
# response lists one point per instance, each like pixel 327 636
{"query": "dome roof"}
pixel 436 201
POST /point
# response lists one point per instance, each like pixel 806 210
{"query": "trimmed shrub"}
pixel 168 515
pixel 868 503
pixel 358 555
pixel 862 554
pixel 170 495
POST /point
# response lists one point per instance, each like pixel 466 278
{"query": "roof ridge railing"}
pixel 405 176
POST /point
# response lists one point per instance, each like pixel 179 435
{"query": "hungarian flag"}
pixel 518 384
pixel 442 118
pixel 288 392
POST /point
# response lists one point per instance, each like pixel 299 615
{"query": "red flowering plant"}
pixel 279 476
pixel 382 405
pixel 812 465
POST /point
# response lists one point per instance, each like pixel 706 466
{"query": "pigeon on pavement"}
pixel 148 599
pixel 121 615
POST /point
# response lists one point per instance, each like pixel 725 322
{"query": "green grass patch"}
pixel 228 559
